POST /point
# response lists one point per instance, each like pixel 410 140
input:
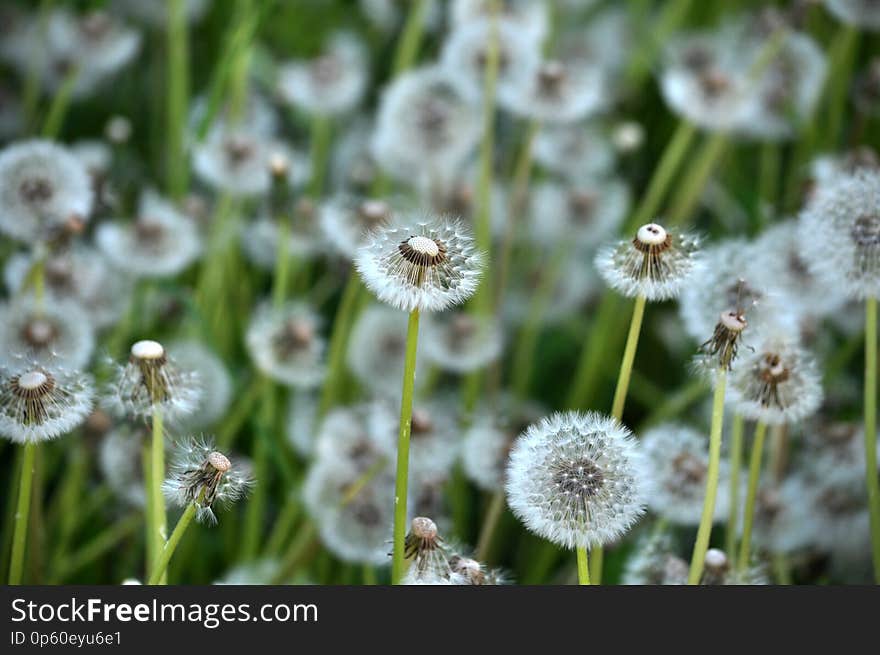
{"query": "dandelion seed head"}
pixel 862 13
pixel 461 342
pixel 654 562
pixel 42 186
pixel 844 221
pixel 286 344
pixel 655 263
pixel 573 480
pixel 53 331
pixel 676 462
pixel 429 264
pixel 39 403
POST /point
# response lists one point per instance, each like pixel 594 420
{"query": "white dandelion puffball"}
pixel 286 344
pixel 655 264
pixel 573 479
pixel 43 186
pixel 676 462
pixel 840 233
pixel 863 13
pixel 38 403
pixel 778 383
pixel 429 264
pixel 54 331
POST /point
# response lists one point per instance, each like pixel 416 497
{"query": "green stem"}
pixel 322 133
pixel 583 567
pixel 661 179
pixel 871 477
pixel 402 477
pixel 483 218
pixel 736 447
pixel 282 263
pixel 490 525
pixel 629 355
pixel 845 47
pixel 157 472
pixel 338 341
pixel 597 558
pixel 751 495
pixel 60 104
pixel 239 412
pixel 253 520
pixel 304 539
pixel 677 402
pixel 22 514
pixel 698 174
pixel 178 90
pixel 589 366
pixel 704 532
pixel 282 527
pixel 160 567
pixel 410 38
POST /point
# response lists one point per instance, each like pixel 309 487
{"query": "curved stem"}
pixel 160 567
pixel 157 477
pixel 736 445
pixel 60 104
pixel 629 355
pixel 22 514
pixel 490 525
pixel 751 494
pixel 338 341
pixel 411 37
pixel 871 477
pixel 704 532
pixel 402 477
pixel 583 566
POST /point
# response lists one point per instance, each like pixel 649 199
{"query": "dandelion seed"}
pixel 426 264
pixel 39 403
pixel 573 480
pixel 206 478
pixel 656 264
pixel 286 345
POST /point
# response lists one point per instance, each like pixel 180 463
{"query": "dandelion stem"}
pixel 662 177
pixel 844 47
pixel 705 530
pixel 736 447
pixel 157 477
pixel 96 547
pixel 402 477
pixel 490 525
pixel 160 567
pixel 583 567
pixel 629 355
pixel 253 520
pixel 751 494
pixel 178 84
pixel 338 341
pixel 871 476
pixel 589 366
pixel 483 219
pixel 282 264
pixel 301 543
pixel 321 136
pixel 411 37
pixel 597 560
pixel 60 104
pixel 697 175
pixel 22 514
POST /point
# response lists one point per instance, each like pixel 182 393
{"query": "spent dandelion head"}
pixel 528 15
pixel 655 264
pixel 574 480
pixel 43 188
pixel 151 380
pixel 429 264
pixel 39 402
pixel 286 344
pixel 344 220
pixel 205 477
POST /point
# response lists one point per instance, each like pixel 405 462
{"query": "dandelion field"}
pixel 425 292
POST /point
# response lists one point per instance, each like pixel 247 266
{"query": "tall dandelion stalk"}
pixel 755 461
pixel 871 475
